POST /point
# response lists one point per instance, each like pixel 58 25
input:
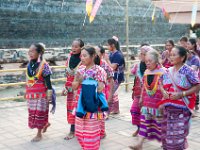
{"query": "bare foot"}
pixel 114 113
pixel 69 136
pixel 194 115
pixel 37 138
pixel 135 133
pixel 45 127
pixel 136 147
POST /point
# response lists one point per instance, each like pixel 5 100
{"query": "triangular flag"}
pixel 165 13
pixel 95 9
pixel 194 14
pixel 89 5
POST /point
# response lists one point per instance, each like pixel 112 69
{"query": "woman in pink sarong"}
pixel 138 71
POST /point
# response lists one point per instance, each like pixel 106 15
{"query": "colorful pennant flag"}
pixel 95 9
pixel 89 5
pixel 194 13
pixel 165 13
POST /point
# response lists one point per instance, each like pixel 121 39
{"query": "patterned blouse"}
pixel 152 93
pixel 184 79
pixel 95 73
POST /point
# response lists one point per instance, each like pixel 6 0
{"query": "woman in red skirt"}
pixel 38 90
pixel 88 126
pixel 73 62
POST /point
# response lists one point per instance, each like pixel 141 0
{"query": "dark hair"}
pixel 193 42
pixel 117 46
pixel 170 41
pixel 184 38
pixel 102 50
pixel 182 52
pixel 144 44
pixel 92 52
pixel 114 42
pixel 40 48
pixel 80 42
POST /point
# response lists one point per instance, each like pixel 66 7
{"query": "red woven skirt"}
pixel 87 132
pixel 102 128
pixel 71 102
pixel 135 111
pixel 38 110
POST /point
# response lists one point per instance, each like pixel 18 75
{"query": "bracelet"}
pixel 184 93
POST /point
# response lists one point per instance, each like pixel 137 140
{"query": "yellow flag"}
pixel 153 15
pixel 89 5
pixel 95 9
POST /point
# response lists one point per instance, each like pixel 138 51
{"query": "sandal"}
pixel 69 136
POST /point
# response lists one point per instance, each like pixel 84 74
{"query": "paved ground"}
pixel 15 134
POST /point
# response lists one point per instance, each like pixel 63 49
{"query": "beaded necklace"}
pixel 151 89
pixel 32 80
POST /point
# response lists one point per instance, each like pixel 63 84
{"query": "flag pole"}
pixel 127 42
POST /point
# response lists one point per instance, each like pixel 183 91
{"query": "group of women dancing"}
pixel 164 92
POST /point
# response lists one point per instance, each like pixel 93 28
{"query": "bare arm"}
pixel 100 87
pixel 165 93
pixel 178 95
pixel 192 90
pixel 141 97
pixel 77 81
pixel 113 66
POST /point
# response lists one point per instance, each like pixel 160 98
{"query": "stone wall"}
pixel 46 21
pixel 21 77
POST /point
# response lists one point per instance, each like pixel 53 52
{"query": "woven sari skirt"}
pixel 38 111
pixel 87 132
pixel 175 127
pixel 114 105
pixel 71 104
pixel 135 111
pixel 102 127
pixel 150 124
